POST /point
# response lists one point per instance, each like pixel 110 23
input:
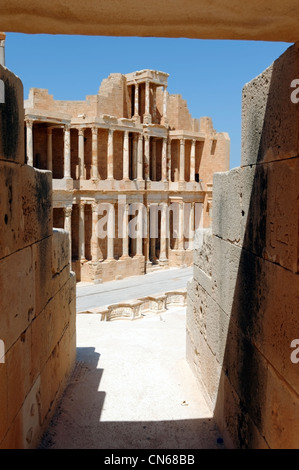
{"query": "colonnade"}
pixel 143 160
pixel 147 223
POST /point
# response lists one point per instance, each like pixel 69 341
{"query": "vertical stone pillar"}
pixel 181 226
pixel 169 159
pixel 146 156
pixel 136 104
pixel 29 140
pixel 82 230
pixel 125 229
pixel 164 116
pixel 110 232
pixel 68 228
pixel 134 156
pixel 164 160
pixel 140 230
pixel 192 161
pixel 191 227
pixel 147 117
pixel 94 248
pixel 67 151
pixel 154 104
pixel 81 152
pixel 49 149
pixel 140 158
pixel 94 153
pixel 182 160
pixel 154 160
pixel 2 48
pixel 110 155
pixel 163 232
pixel 147 244
pixel 126 156
pixel 153 231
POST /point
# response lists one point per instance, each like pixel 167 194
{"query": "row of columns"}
pixel 147 115
pixel 138 162
pixel 151 234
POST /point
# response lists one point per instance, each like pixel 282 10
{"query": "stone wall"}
pixel 243 301
pixel 37 302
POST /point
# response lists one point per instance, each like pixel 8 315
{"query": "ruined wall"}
pixel 113 97
pixel 243 301
pixel 37 301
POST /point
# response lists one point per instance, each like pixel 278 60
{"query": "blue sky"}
pixel 209 74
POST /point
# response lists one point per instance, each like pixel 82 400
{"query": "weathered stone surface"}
pixel 11 118
pixel 270 120
pixel 254 21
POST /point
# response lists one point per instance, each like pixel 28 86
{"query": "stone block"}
pixel 270 120
pixel 36 204
pixel 12 118
pixel 18 360
pixel 18 299
pixel 60 250
pixel 281 413
pixel 3 401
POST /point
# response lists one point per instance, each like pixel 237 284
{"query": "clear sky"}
pixel 208 74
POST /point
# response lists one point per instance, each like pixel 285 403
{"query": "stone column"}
pixel 163 232
pixel 126 156
pixel 94 248
pixel 29 144
pixel 134 156
pixel 164 160
pixel 147 245
pixel 81 152
pixel 164 116
pixel 191 227
pixel 140 231
pixel 140 158
pixel 181 226
pixel 125 231
pixel 154 104
pixel 94 153
pixel 82 230
pixel 110 155
pixel 110 232
pixel 182 160
pixel 169 159
pixel 49 149
pixel 192 161
pixel 147 117
pixel 136 105
pixel 154 160
pixel 153 231
pixel 67 151
pixel 68 228
pixel 2 48
pixel 146 156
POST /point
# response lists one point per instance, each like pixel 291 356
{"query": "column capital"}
pixel 94 130
pixel 68 211
pixel 67 127
pixel 29 123
pixel 81 131
pixel 182 141
pixel 49 130
pixel 82 204
pixel 95 206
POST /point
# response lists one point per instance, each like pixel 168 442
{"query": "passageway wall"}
pixel 243 301
pixel 37 290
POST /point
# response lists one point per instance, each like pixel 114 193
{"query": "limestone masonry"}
pixel 132 173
